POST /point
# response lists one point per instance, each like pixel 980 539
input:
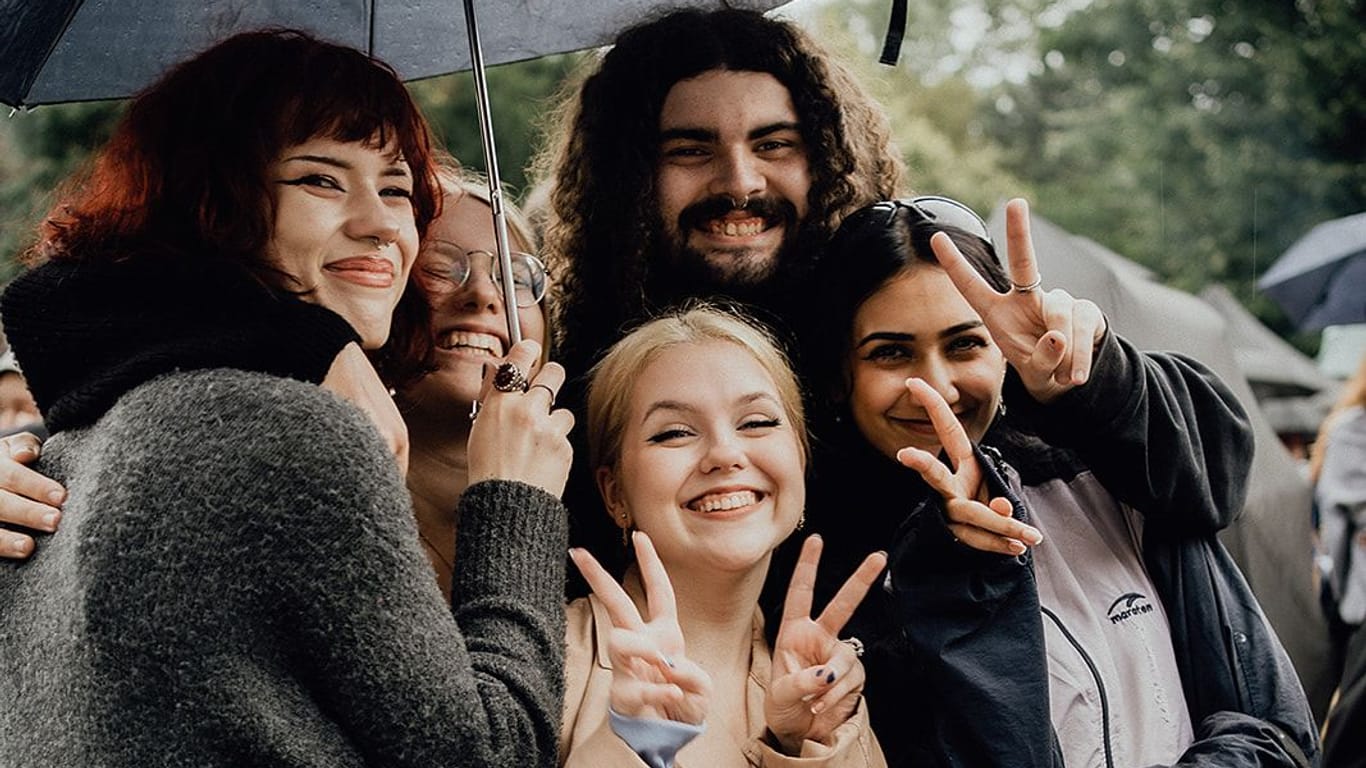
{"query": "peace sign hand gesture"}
pixel 1049 337
pixel 816 679
pixel 974 520
pixel 651 676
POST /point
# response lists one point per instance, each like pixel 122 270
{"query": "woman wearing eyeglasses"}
pixel 457 273
pixel 1056 594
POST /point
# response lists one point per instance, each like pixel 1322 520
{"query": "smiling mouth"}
pixel 470 340
pixel 730 227
pixel 724 502
pixel 367 271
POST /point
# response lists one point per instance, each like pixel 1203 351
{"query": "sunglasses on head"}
pixel 937 209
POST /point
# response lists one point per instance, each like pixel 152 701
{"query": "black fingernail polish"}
pixel 830 678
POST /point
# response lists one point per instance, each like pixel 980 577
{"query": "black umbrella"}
pixel 1321 279
pixel 54 51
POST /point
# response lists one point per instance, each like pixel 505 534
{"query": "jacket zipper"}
pixel 1100 685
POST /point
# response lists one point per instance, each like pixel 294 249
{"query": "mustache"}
pixel 770 209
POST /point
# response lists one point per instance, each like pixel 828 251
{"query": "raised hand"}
pixel 974 519
pixel 816 679
pixel 1048 336
pixel 519 434
pixel 651 673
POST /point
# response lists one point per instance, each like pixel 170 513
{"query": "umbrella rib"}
pixel 51 46
pixel 370 37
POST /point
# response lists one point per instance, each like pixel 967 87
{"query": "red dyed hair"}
pixel 185 171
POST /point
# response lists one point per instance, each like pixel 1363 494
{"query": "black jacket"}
pixel 956 668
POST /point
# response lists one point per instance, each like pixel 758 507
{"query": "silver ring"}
pixel 509 378
pixel 855 643
pixel 1034 286
pixel 547 388
pixel 737 205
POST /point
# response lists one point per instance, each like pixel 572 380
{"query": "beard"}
pixel 676 271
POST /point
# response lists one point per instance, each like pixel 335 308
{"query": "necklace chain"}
pixel 435 550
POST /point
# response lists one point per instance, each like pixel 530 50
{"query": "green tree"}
pixel 1200 137
pixel 520 94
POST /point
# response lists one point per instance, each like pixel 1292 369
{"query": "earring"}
pixel 625 532
pixel 801 522
pixel 1001 409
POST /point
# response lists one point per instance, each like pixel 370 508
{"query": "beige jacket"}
pixel 588 740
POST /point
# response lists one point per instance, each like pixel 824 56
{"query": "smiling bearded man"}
pixel 711 154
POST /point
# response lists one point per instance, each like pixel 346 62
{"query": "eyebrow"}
pixel 682 407
pixel 398 167
pixel 703 134
pixel 951 331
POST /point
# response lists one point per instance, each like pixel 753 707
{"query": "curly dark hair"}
pixel 602 163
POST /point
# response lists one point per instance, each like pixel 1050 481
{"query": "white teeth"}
pixel 726 501
pixel 470 340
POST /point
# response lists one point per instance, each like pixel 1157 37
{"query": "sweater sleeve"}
pixel 297 524
pixel 1160 430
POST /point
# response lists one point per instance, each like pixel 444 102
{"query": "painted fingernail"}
pixel 830 678
pixel 820 672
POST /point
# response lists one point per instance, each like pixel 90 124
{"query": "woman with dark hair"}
pixel 1056 593
pixel 238 578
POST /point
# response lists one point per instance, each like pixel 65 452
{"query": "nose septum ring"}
pixel 738 204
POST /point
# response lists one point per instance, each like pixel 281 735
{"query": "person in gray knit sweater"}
pixel 239 580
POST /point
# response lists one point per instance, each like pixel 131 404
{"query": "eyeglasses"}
pixel 937 209
pixel 529 277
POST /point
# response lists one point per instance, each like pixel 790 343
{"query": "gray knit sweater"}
pixel 237 581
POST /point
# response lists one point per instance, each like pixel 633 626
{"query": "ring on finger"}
pixel 547 388
pixel 1034 286
pixel 855 643
pixel 510 378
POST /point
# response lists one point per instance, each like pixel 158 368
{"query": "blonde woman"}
pixel 696 430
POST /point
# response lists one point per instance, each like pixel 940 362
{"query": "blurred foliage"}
pixel 39 148
pixel 520 95
pixel 1198 137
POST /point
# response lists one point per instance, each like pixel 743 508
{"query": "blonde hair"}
pixel 1353 394
pixel 610 381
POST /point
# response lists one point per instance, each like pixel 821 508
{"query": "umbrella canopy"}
pixel 55 51
pixel 1273 367
pixel 1321 279
pixel 1271 539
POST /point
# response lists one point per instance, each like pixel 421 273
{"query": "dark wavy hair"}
pixel 603 159
pixel 185 170
pixel 873 245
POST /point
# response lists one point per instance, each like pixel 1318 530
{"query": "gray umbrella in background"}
pixel 1271 539
pixel 54 51
pixel 1293 393
pixel 1321 279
